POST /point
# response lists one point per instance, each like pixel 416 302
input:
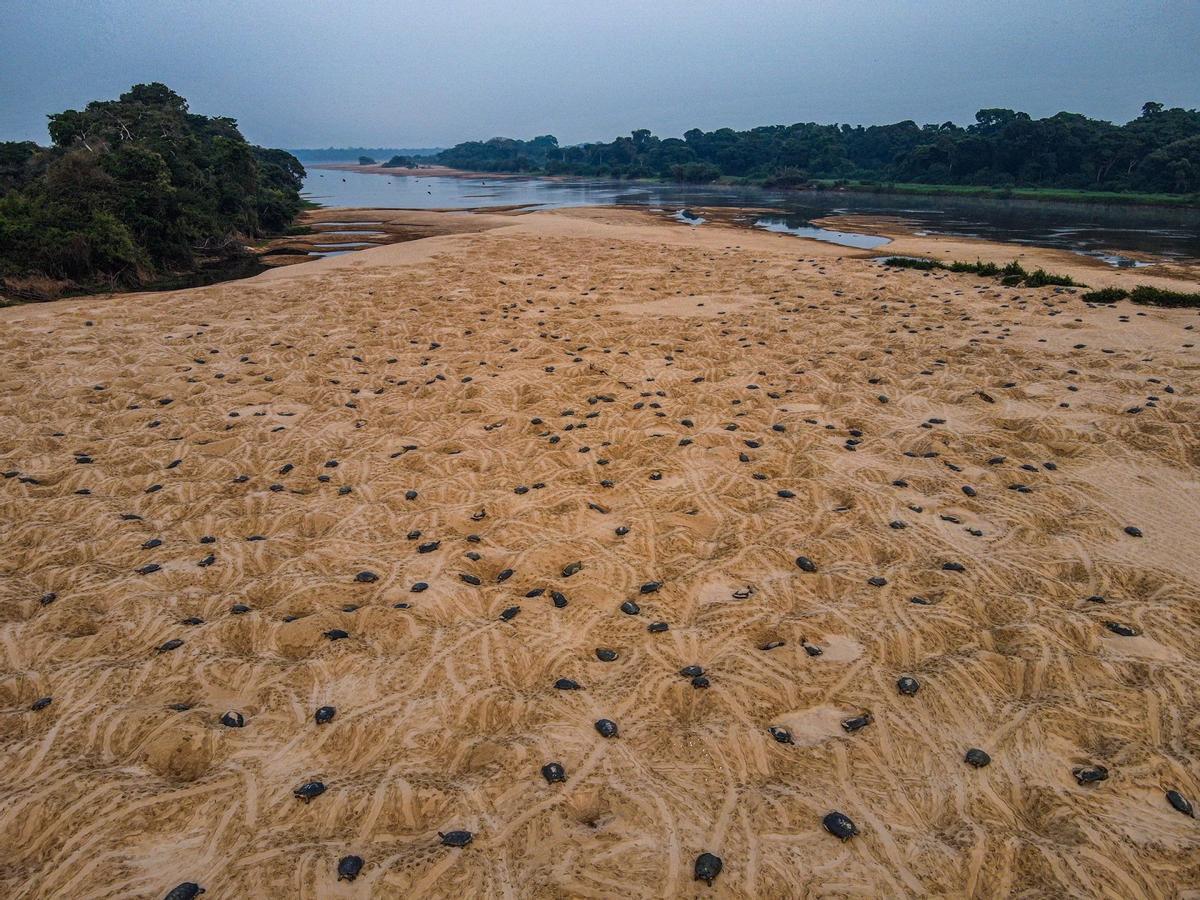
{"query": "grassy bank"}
pixel 1059 195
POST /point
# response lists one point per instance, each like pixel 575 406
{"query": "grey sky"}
pixel 435 72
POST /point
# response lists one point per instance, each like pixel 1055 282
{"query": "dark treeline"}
pixel 1159 151
pixel 133 189
pixel 350 154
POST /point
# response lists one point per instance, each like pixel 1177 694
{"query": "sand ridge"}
pixel 347 431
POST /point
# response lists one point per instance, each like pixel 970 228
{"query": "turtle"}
pixel 969 491
pixel 650 587
pixel 567 684
pixel 953 567
pixel 554 773
pixel 558 598
pixel 468 578
pixel 854 723
pixel 428 546
pixel 149 569
pixel 771 645
pixel 1090 774
pixel 622 530
pixel 700 681
pixel 571 569
pixel 534 592
pixel 630 608
pixel 233 719
pixel 41 703
pixel 509 614
pixel 188 890
pixel 152 543
pixel 877 581
pixel 691 671
pixel 657 627
pixel 419 586
pixel 1180 803
pixel 172 644
pixel 607 728
pixel 977 758
pixel 366 577
pixel 325 714
pixel 1133 531
pixel 456 838
pixel 348 868
pixel 239 609
pixel 812 649
pixel 907 685
pixel 781 734
pixel 504 575
pixel 410 495
pixel 606 655
pixel 336 634
pixel 708 867
pixel 310 790
pixel 1122 629
pixel 839 825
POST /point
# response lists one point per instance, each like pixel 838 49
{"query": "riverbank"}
pixel 419 486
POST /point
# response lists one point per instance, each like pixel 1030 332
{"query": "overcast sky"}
pixel 436 72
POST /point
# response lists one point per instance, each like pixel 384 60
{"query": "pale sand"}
pixel 445 714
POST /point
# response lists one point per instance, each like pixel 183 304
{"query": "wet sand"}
pixel 684 413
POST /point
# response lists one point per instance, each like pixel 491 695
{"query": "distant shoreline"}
pixel 1041 195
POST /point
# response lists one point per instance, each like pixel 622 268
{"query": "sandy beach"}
pixel 425 483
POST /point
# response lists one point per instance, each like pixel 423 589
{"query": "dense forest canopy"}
pixel 1158 151
pixel 137 187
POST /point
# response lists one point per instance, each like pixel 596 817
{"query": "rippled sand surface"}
pixel 510 400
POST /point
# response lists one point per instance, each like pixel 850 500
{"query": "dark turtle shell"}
pixel 336 634
pixel 630 608
pixel 554 773
pixel 325 714
pixel 650 587
pixel 428 546
pixel 172 644
pixel 41 703
pixel 571 569
pixel 907 685
pixel 1180 803
pixel 771 645
pixel 812 649
pixel 606 727
pixel 566 684
pixel 691 671
pixel 877 581
pixel 456 838
pixel 469 579
pixel 366 577
pixel 708 867
pixel 419 587
pixel 558 598
pixel 510 613
pixel 1122 629
pixel 504 575
pixel 977 758
pixel 856 722
pixel 1090 774
pixel 780 734
pixel 700 681
pixel 606 655
pixel 188 890
pixel 310 790
pixel 233 719
pixel 806 564
pixel 839 825
pixel 657 627
pixel 349 867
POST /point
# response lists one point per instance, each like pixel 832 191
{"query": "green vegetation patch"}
pixel 1010 275
pixel 1145 295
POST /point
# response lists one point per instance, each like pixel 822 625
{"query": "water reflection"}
pixel 784 225
pixel 1169 232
